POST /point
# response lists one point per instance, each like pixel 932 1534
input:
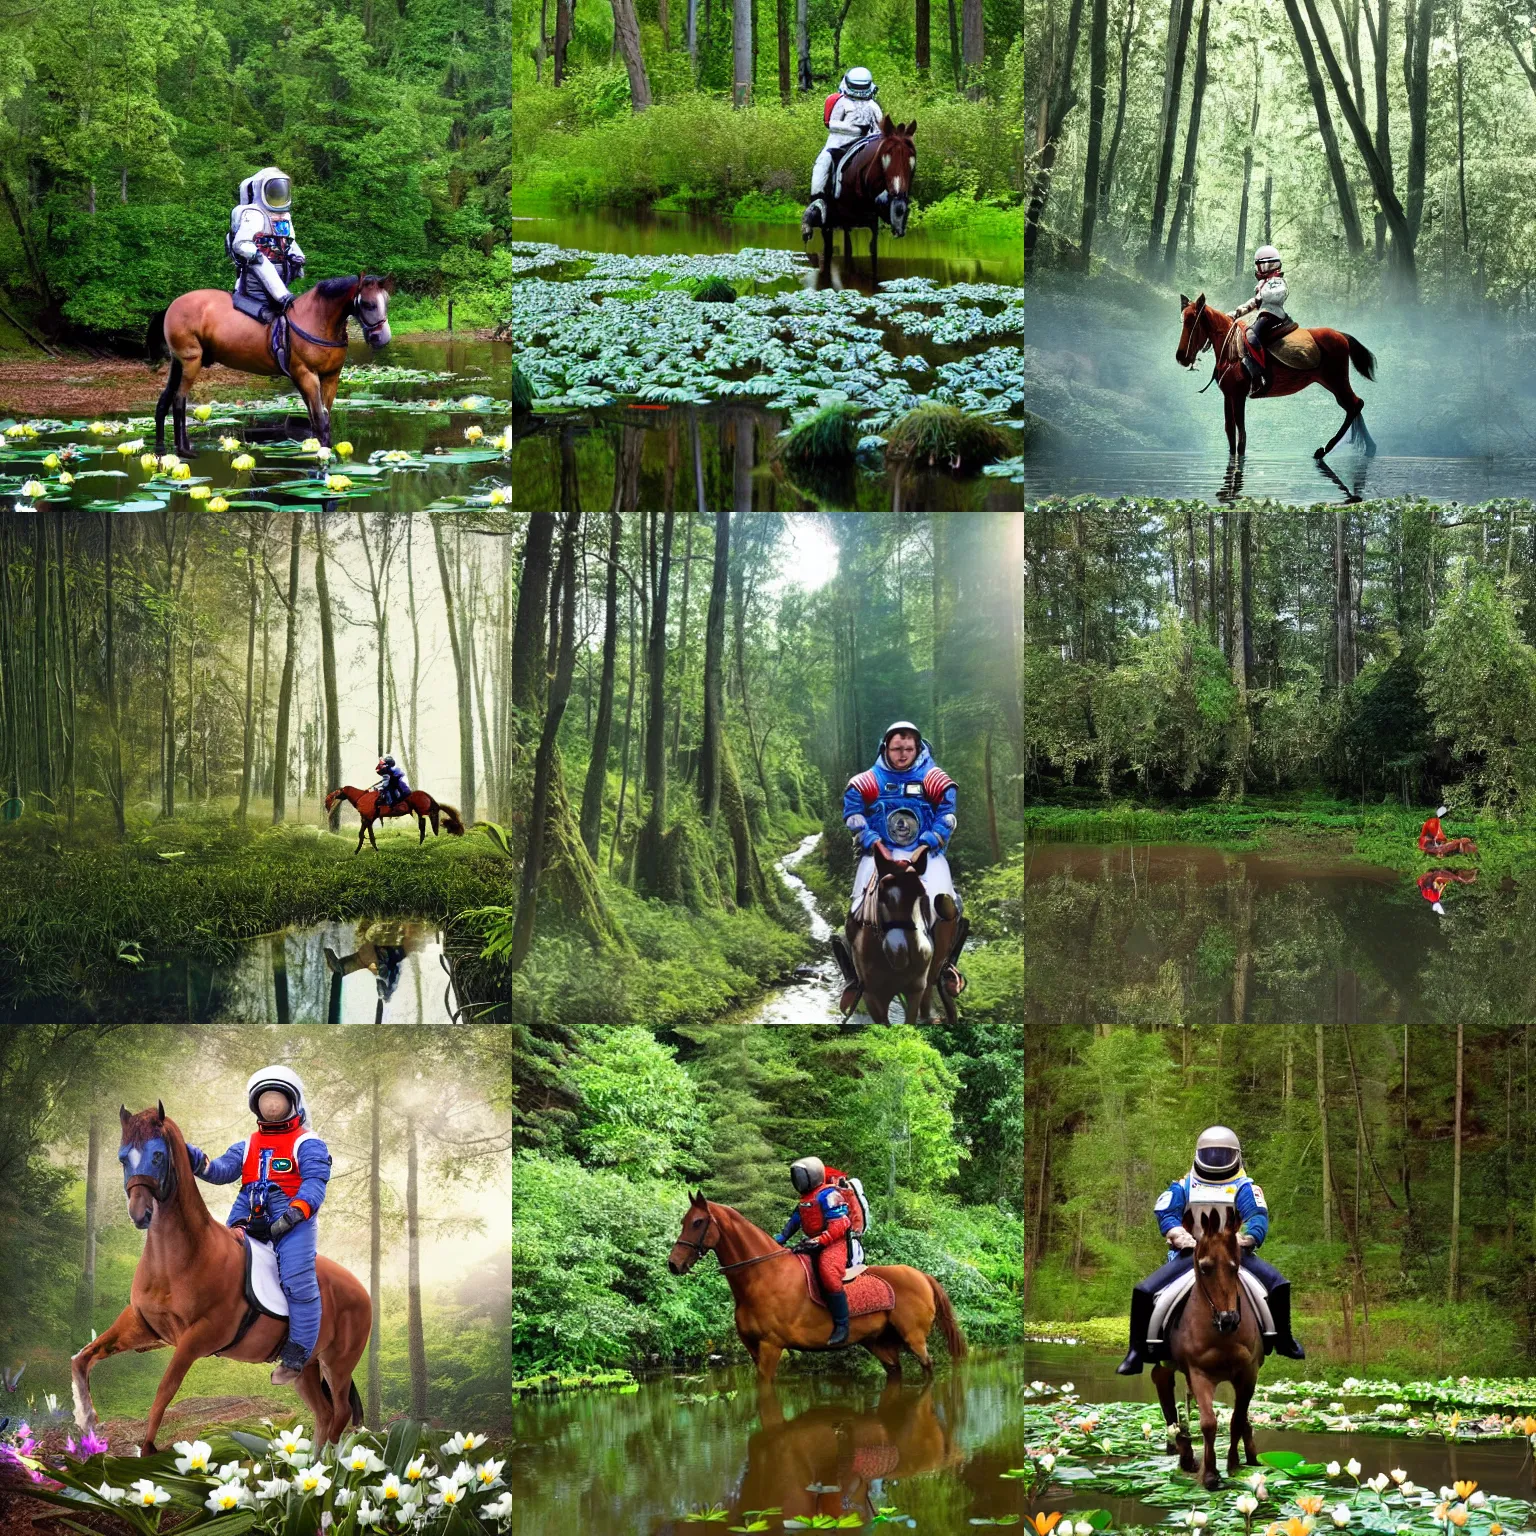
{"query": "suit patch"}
pixel 1258 1197
pixel 1164 1200
pixel 912 789
pixel 282 1165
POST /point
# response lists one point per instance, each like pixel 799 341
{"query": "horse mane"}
pixel 335 287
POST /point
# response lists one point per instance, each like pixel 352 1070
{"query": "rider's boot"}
pixel 1257 383
pixel 1280 1310
pixel 837 1305
pixel 290 1364
pixel 1141 1320
pixel 818 207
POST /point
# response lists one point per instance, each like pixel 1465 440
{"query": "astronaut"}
pixel 262 246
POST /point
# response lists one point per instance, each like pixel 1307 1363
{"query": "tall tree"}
pixel 626 36
pixel 285 690
pixel 1173 86
pixel 714 659
pixel 1185 201
pixel 1061 101
pixel 1453 1267
pixel 597 764
pixel 1098 68
pixel 416 1339
pixel 741 52
pixel 465 681
pixel 648 851
pixel 974 44
pixel 328 672
pixel 922 40
pixel 1240 255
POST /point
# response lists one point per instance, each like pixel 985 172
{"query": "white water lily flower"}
pixel 310 444
pixel 291 1442
pixel 1047 1461
pixel 1378 1483
pixel 1066 1386
pixel 1352 1467
pixel 367 1515
pixel 147 1494
pixel 463 1474
pixel 277 1488
pixel 110 1494
pixel 34 488
pixel 462 1442
pixel 226 1497
pixel 1197 1518
pixel 1477 1500
pixel 499 1510
pixel 488 1473
pixel 194 1455
pixel 1083 1528
pixel 418 1469
pixel 390 1491
pixel 1246 1503
pixel 1398 1474
pixel 361 1459
pixel 1340 1515
pixel 449 1493
pixel 311 1481
pixel 1332 1469
pixel 1410 1489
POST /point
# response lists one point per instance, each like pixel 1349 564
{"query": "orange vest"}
pixel 283 1160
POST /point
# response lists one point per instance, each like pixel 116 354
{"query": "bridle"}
pixel 1215 1310
pixel 163 1189
pixel 701 1247
pixel 355 310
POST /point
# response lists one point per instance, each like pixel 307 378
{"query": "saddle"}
pixel 1169 1304
pixel 866 1292
pixel 840 159
pixel 265 312
pixel 1288 343
pixel 263 1293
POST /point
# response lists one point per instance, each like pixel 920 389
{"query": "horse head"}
pixel 1216 1266
pixel 903 906
pixel 149 1155
pixel 693 1241
pixel 1196 335
pixel 366 297
pixel 898 161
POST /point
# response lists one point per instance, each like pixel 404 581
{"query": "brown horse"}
pixel 1215 1339
pixel 189 1293
pixel 204 327
pixel 875 166
pixel 1449 847
pixel 418 803
pixel 898 945
pixel 1206 327
pixel 774 1313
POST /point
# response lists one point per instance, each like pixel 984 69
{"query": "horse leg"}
pixel 886 1348
pixel 1205 1395
pixel 307 382
pixel 1242 1395
pixel 185 370
pixel 190 1348
pixel 361 832
pixel 373 842
pixel 1231 414
pixel 1352 406
pixel 328 383
pixel 1163 1379
pixel 314 1398
pixel 1240 410
pixel 130 1331
pixel 767 1359
pixel 421 822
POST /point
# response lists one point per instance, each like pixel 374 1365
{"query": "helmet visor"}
pixel 277 193
pixel 1217 1162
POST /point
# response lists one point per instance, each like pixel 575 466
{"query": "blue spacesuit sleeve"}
pixel 1169 1207
pixel 1252 1211
pixel 855 816
pixel 314 1170
pixel 791 1226
pixel 944 821
pixel 221 1170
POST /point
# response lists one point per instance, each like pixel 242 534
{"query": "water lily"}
pixel 449 1493
pixel 229 444
pixel 1046 1460
pixel 338 482
pixel 310 444
pixel 1333 1469
pixel 1409 1489
pixel 147 1494
pixel 218 504
pixel 65 478
pixel 418 1469
pixel 202 412
pixel 1477 1500
pixel 226 1497
pixel 243 461
pixel 312 1480
pixel 193 1455
pixel 98 427
pixel 1044 1523
pixel 169 461
pixel 181 472
pixel 1378 1483
pixel 110 1495
pixel 1197 1519
pixel 1082 1528
pixel 500 496
pixel 344 450
pixel 1465 1490
pixel 1352 1467
pixel 199 492
pixel 361 1459
pixel 1458 1515
pixel 133 445
pixel 390 1491
pixel 500 1509
pixel 1310 1503
pixel 1397 1472
pixel 474 434
pixel 1340 1515
pixel 52 462
pixel 273 1489
pixel 488 1473
pixel 34 489
pixel 148 461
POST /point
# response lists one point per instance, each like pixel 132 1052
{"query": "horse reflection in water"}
pixel 833 1458
pixel 382 950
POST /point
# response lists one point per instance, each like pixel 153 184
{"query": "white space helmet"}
pixel 900 725
pixel 807 1173
pixel 1266 260
pixel 284 1080
pixel 1218 1155
pixel 270 189
pixel 859 84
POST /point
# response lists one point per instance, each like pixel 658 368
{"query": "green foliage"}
pixel 823 440
pixel 640 1111
pixel 713 290
pixel 949 438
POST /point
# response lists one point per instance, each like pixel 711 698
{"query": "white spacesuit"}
pixel 261 243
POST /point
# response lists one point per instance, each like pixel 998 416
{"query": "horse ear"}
pixel 123 1115
pixel 1188 1219
pixel 920 861
pixel 389 285
pixel 160 1110
pixel 1200 302
pixel 1183 301
pixel 886 125
pixel 911 128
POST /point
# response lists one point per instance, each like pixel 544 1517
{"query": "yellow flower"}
pixel 337 482
pixel 199 492
pixel 34 488
pixel 169 461
pixel 229 444
pixel 1465 1490
pixel 181 472
pixel 65 478
pixel 202 412
pixel 500 496
pixel 243 461
pixel 148 461
pixel 1044 1524
pixel 1458 1516
pixel 1309 1503
pixel 218 504
pixel 51 462
pixel 310 444
pixel 474 434
pixel 98 427
pixel 343 450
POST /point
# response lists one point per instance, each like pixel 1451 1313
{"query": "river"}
pixel 1198 933
pixel 817 1443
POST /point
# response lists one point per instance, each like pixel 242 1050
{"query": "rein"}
pixel 354 309
pixel 701 1248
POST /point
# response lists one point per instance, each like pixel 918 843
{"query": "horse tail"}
pixel 944 1312
pixel 1362 357
pixel 154 339
pixel 451 823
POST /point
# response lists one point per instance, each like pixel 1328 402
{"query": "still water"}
pixel 386 970
pixel 1347 476
pixel 1188 933
pixel 812 1444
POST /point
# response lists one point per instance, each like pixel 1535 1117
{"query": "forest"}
pixel 179 690
pixel 1386 146
pixel 1188 653
pixel 416 1122
pixel 1395 1163
pixel 125 132
pixel 677 108
pixel 714 683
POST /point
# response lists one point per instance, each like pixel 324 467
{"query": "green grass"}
pixel 202 886
pixel 946 438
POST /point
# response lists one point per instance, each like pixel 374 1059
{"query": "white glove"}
pixel 1182 1240
pixel 1247 1241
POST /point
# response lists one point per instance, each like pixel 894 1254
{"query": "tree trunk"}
pixel 1344 661
pixel 1063 99
pixel 1240 257
pixel 1173 87
pixel 1322 1120
pixel 954 44
pixel 415 1333
pixel 781 19
pixel 248 741
pixel 648 853
pixel 682 640
pixel 563 9
pixel 626 36
pixel 87 1294
pixel 802 50
pixel 1098 67
pixel 714 667
pixel 1185 201
pixel 974 46
pixel 465 684
pixel 597 766
pixel 285 689
pixel 1245 584
pixel 328 674
pixel 1107 176
pixel 741 53
pixel 629 711
pixel 115 786
pixel 922 41
pixel 1454 1279
pixel 375 1258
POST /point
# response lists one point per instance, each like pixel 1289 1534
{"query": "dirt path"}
pixel 72 387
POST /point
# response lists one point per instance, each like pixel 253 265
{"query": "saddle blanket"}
pixel 1170 1302
pixel 263 1286
pixel 840 158
pixel 866 1292
pixel 1292 345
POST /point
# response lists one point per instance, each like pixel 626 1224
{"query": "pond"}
pixel 651 387
pixel 385 970
pixel 1192 932
pixel 814 1444
pixel 1499 1466
pixel 422 418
